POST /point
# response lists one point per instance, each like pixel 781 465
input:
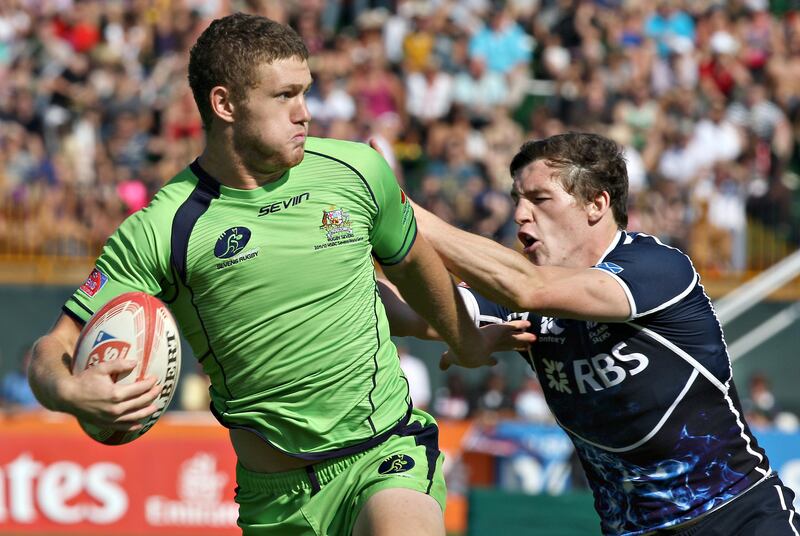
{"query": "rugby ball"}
pixel 135 326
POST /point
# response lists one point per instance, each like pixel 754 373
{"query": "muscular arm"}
pixel 403 320
pixel 429 290
pixel 91 395
pixel 507 277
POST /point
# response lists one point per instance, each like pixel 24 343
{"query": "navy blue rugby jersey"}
pixel 649 403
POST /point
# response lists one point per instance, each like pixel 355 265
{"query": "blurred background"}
pixel 96 113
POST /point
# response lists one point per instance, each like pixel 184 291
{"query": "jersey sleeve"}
pixel 395 228
pixel 653 275
pixel 130 261
pixel 484 311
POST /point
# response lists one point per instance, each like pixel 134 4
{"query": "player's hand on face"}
pixel 496 338
pixel 96 398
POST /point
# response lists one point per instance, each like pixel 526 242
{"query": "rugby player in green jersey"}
pixel 263 247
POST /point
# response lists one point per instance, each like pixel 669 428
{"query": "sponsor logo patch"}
pixel 231 242
pixel 610 267
pixel 94 283
pixel 107 348
pixel 396 463
pixel 284 204
pixel 556 377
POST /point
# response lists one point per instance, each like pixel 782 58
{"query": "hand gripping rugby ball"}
pixel 139 327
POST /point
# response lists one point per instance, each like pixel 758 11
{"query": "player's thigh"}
pixel 400 512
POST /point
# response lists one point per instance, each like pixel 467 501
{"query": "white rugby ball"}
pixel 135 326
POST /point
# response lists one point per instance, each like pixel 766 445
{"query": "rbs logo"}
pixel 599 372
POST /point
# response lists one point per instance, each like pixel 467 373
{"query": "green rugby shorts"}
pixel 325 499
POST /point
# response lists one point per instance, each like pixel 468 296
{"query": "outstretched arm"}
pixel 444 310
pixel 405 322
pixel 91 395
pixel 508 278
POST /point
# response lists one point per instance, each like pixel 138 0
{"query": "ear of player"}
pixel 139 327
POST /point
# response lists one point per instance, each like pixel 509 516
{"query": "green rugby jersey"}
pixel 275 290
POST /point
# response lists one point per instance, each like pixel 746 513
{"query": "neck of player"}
pixel 231 169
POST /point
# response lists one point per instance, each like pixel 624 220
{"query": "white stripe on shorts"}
pixel 791 510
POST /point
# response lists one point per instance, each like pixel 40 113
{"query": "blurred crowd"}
pixel 704 95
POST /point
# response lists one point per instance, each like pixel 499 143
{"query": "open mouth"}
pixel 526 239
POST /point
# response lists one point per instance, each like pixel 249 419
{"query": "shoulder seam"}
pixel 354 170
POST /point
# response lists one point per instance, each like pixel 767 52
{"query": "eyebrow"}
pixel 534 192
pixel 294 87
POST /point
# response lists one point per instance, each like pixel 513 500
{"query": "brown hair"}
pixel 228 52
pixel 587 163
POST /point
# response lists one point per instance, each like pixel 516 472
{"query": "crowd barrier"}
pixel 179 478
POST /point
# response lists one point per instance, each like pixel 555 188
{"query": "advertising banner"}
pixel 177 479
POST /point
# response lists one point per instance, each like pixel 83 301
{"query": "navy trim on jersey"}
pixel 374 358
pixel 183 223
pixel 72 315
pixel 319 456
pixel 398 261
pixel 188 213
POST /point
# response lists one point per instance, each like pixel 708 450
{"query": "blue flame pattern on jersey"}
pixel 664 488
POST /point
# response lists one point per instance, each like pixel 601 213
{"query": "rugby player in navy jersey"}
pixel 630 353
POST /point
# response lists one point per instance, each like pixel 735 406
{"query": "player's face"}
pixel 271 123
pixel 553 225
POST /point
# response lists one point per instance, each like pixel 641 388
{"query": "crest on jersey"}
pixel 396 463
pixel 338 228
pixel 94 283
pixel 335 222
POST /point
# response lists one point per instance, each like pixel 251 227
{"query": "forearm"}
pixel 49 373
pixel 403 320
pixel 429 290
pixel 495 271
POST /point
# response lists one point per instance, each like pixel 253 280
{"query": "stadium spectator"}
pixel 479 90
pixel 669 26
pixel 193 394
pixel 419 380
pixel 429 93
pixel 529 402
pixel 494 400
pixel 15 392
pixel 453 400
pixel 762 408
